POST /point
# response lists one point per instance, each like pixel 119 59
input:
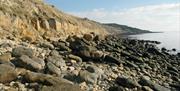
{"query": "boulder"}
pixel 88 77
pixel 57 61
pixel 51 83
pixel 91 74
pixel 53 69
pixel 61 46
pixel 111 59
pixel 7 73
pixel 127 82
pixel 47 45
pixel 88 37
pixel 144 81
pixel 116 88
pixel 19 51
pixel 28 63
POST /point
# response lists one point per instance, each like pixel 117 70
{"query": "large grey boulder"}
pixel 19 51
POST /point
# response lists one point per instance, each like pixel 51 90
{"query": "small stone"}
pixel 83 86
pixel 71 68
pixel 78 59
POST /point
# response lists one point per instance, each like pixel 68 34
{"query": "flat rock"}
pixel 19 51
pixel 57 84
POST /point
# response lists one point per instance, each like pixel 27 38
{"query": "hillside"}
pixel 34 20
pixel 123 29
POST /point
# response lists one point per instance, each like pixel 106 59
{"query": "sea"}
pixel 169 39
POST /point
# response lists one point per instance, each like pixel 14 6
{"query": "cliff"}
pixel 34 20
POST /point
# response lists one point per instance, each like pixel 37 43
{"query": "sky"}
pixel 154 15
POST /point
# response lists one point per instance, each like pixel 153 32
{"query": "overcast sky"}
pixel 154 15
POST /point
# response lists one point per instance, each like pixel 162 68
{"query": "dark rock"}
pixel 111 59
pixel 178 54
pixel 116 88
pixel 176 85
pixel 19 51
pixel 147 55
pixel 133 42
pixel 173 73
pixel 88 37
pixel 130 64
pixel 126 82
pixel 174 49
pixel 163 49
pixel 7 73
pixel 135 59
pixel 172 68
pixel 154 51
pixel 146 82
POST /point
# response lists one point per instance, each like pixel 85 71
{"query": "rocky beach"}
pixel 45 49
pixel 88 63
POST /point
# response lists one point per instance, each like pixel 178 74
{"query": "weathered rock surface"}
pixel 28 63
pixel 7 73
pixel 19 51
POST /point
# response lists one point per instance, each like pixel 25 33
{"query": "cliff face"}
pixel 34 20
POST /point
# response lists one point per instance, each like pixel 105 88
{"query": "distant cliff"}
pixel 123 29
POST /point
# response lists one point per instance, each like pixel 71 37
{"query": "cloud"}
pixel 163 17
